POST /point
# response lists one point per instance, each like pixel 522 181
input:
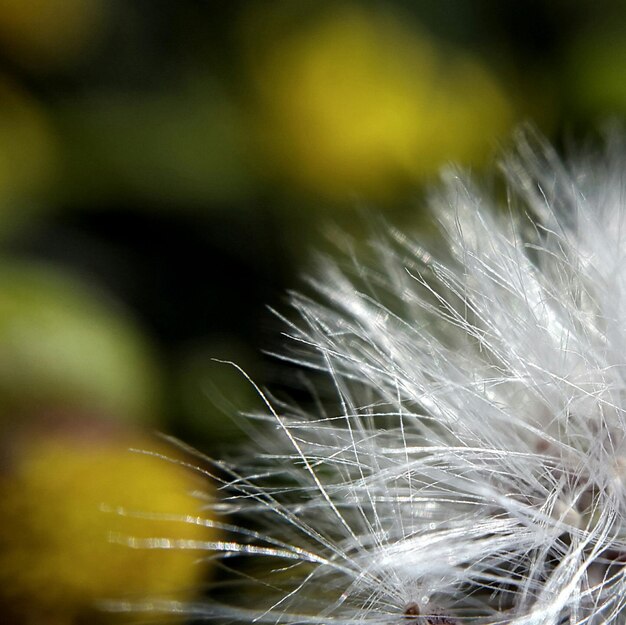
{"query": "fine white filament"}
pixel 467 460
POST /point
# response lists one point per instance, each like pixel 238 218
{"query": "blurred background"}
pixel 166 170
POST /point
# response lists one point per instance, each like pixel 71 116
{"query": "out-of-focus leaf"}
pixel 64 347
pixel 186 147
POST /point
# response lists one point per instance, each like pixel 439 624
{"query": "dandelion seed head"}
pixel 472 465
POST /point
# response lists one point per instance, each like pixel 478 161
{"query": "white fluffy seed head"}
pixel 473 468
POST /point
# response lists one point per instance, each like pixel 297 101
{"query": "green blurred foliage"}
pixel 196 157
pixel 29 155
pixel 65 349
pixel 596 71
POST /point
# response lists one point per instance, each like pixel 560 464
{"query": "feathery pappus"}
pixel 473 466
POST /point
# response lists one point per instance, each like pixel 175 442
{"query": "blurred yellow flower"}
pixel 70 500
pixel 356 102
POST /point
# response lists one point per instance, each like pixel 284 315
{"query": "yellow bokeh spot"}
pixel 357 103
pixel 69 505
